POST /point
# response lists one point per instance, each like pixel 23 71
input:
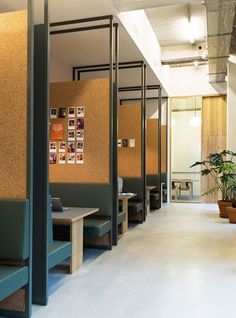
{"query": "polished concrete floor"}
pixel 181 263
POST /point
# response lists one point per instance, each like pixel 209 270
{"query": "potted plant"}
pixel 232 210
pixel 221 167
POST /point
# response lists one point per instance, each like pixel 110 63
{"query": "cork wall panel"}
pixel 163 149
pixel 214 127
pixel 129 127
pixel 94 96
pixel 152 147
pixel 13 105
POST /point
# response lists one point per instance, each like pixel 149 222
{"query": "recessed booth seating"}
pixel 153 179
pixel 121 216
pixel 164 180
pixel 14 251
pixel 135 205
pixel 58 251
pixel 97 227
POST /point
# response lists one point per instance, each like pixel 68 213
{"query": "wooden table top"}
pixel 126 196
pixel 150 188
pixel 72 214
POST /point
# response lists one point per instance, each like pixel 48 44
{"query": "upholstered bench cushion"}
pixel 154 196
pixel 12 278
pixel 96 227
pixel 58 251
pixel 121 216
pixel 135 206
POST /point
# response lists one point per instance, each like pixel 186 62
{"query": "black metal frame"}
pixel 159 142
pixel 76 75
pixel 113 76
pixel 41 137
pixel 41 161
pixel 159 99
pixel 30 97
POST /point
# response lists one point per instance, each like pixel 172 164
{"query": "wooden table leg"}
pixel 124 225
pixel 76 238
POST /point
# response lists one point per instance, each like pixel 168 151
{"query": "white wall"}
pixel 138 26
pixel 59 71
pixel 192 81
pixel 177 81
pixel 185 148
pixel 231 103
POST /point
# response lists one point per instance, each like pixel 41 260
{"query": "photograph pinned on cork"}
pixel 71 124
pixel 71 158
pixel 71 112
pixel 80 123
pixel 53 113
pixel 71 147
pixel 62 158
pixel 62 112
pixel 80 146
pixel 53 147
pixel 71 135
pixel 80 135
pixel 62 146
pixel 80 158
pixel 53 158
pixel 80 111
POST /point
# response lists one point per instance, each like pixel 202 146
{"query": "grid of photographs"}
pixel 70 151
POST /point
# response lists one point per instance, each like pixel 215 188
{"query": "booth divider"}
pixel 16 158
pixel 42 209
pixel 156 147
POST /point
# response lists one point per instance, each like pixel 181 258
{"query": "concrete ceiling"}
pixel 170 23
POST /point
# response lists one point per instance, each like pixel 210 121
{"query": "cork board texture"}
pixel 94 96
pixel 152 147
pixel 129 127
pixel 13 105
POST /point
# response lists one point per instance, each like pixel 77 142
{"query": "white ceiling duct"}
pixel 220 19
pixel 128 5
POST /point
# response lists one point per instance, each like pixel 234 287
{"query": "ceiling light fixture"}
pixel 190 31
pixel 195 121
pixel 190 26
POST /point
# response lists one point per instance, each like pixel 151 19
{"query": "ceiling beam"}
pixel 128 5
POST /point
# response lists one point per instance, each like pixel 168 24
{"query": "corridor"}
pixel 181 263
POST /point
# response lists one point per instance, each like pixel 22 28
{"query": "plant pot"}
pixel 231 214
pixel 222 207
pixel 234 198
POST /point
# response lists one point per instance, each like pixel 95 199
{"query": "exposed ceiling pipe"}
pixel 220 20
pixel 128 5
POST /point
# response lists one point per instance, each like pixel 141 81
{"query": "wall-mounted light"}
pixel 196 63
